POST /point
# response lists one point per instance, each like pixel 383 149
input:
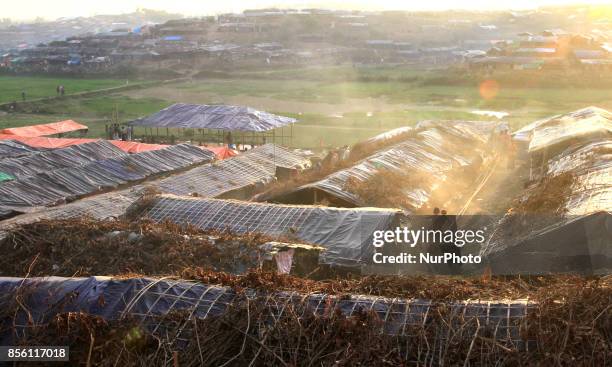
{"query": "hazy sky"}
pixel 51 9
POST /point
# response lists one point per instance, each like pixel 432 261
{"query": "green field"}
pixel 334 106
pixel 39 87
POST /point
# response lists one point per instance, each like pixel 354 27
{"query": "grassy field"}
pixel 39 87
pixel 333 107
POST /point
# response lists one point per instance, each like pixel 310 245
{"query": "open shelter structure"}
pixel 218 123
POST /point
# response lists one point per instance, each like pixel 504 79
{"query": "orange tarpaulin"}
pixel 222 152
pixel 54 143
pixel 136 147
pixel 45 129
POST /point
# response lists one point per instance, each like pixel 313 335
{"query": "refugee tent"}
pixel 65 184
pixel 389 134
pixel 219 117
pixel 55 143
pixel 344 233
pixel 560 131
pixel 235 177
pixel 72 156
pixel 54 128
pixel 149 300
pixel 102 207
pixel 222 152
pixel 574 234
pixel 136 147
pixel 13 148
pixel 555 127
pixel 435 150
pixel 115 203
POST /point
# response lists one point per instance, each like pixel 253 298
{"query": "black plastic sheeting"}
pixel 66 184
pixel 149 300
pixel 255 167
pixel 344 233
pixel 72 156
pixel 12 149
pixel 221 117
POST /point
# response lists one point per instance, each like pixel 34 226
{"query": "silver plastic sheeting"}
pixel 578 238
pixel 221 117
pixel 12 149
pixel 72 156
pixel 150 300
pixel 256 167
pixel 197 179
pixel 591 166
pixel 582 124
pixel 66 184
pixel 103 206
pixel 388 135
pixel 344 233
pixel 434 151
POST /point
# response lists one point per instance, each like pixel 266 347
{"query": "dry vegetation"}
pixel 328 166
pixel 82 247
pixel 569 325
pixel 542 205
pixel 387 189
pixel 548 196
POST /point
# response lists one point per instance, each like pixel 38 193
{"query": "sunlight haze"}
pixel 48 10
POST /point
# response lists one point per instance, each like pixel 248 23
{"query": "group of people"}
pixel 120 132
pixel 59 90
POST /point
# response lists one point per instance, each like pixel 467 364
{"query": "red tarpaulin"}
pixel 45 129
pixel 54 143
pixel 222 152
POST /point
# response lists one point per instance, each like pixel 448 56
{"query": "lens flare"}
pixel 488 89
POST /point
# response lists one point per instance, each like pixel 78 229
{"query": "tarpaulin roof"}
pixel 54 143
pixel 6 177
pixel 72 156
pixel 436 150
pixel 591 167
pixel 222 117
pixel 388 134
pixel 136 147
pixel 45 129
pixel 256 166
pixel 582 124
pixel 222 152
pixel 12 148
pixel 63 184
pixel 577 236
pixel 102 206
pixel 115 203
pixel 148 299
pixel 344 233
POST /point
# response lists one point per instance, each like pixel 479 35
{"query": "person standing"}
pixel 23 95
